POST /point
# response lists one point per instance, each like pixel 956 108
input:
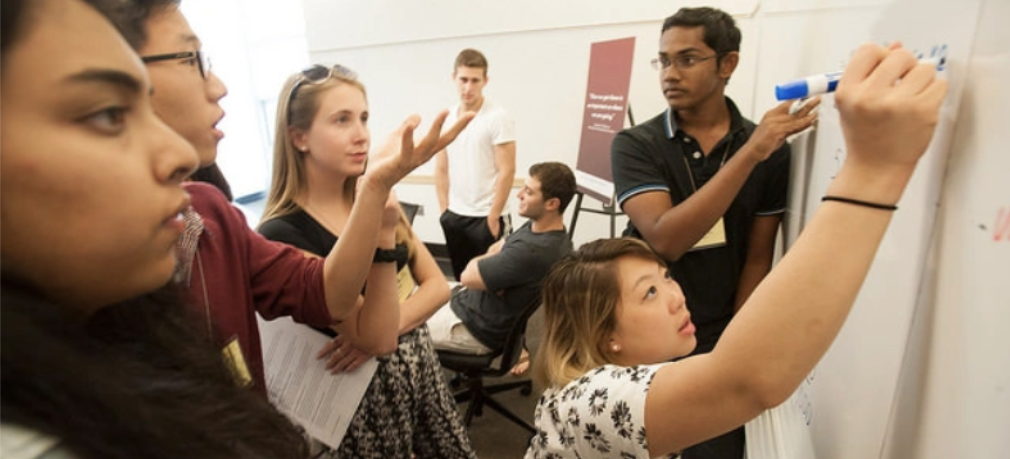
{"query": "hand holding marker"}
pixel 823 84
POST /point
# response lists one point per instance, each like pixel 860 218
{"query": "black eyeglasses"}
pixel 318 74
pixel 680 62
pixel 202 60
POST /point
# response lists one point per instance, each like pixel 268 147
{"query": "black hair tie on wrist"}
pixel 398 255
pixel 872 205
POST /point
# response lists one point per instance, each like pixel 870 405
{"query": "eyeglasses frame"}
pixel 199 55
pixel 658 65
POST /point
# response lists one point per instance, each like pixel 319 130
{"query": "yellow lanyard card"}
pixel 715 237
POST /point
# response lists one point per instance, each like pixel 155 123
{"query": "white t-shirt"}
pixel 472 170
pixel 600 415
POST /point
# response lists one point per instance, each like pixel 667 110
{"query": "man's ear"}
pixel 728 63
pixel 553 204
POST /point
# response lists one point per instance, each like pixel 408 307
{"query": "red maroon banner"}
pixel 603 117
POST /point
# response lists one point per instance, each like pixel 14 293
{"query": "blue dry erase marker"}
pixel 823 84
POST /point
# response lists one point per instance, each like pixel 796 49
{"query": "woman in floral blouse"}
pixel 614 320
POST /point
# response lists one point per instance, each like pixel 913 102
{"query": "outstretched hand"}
pixel 889 106
pixel 399 155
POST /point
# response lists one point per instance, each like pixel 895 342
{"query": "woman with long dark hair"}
pixel 94 364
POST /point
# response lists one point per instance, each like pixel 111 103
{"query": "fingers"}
pixel 783 107
pixel 863 61
pixel 327 348
pixel 895 65
pixel 934 94
pixel 338 359
pixel 346 359
pixel 802 122
pixel 357 362
pixel 917 79
pixel 407 133
pixel 430 140
pixel 454 131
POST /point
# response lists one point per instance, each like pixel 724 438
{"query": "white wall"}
pixel 252 52
pixel 539 59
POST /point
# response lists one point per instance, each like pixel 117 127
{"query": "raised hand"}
pixel 889 105
pixel 399 155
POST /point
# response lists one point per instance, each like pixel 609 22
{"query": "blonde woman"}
pixel 321 149
pixel 614 318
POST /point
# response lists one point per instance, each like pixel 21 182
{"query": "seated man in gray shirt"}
pixel 498 285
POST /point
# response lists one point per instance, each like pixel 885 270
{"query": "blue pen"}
pixel 823 84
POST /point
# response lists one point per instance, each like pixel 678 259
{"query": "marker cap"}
pixel 792 90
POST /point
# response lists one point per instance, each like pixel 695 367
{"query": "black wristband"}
pixel 397 255
pixel 872 205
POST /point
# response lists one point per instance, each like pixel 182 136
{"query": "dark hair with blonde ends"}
pixel 580 299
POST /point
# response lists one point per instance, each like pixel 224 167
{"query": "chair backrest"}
pixel 410 209
pixel 514 341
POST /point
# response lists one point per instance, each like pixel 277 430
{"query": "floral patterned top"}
pixel 600 415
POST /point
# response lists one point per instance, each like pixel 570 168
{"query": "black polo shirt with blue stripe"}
pixel 657 156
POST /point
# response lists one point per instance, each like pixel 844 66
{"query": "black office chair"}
pixel 410 210
pixel 472 369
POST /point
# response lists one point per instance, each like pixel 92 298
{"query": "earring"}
pixel 615 348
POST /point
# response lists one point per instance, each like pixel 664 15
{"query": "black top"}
pixel 658 156
pixel 301 230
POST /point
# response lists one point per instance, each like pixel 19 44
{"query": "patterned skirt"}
pixel 408 409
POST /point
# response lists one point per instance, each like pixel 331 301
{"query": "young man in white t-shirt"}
pixel 473 187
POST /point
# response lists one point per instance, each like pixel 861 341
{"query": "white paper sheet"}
pixel 299 385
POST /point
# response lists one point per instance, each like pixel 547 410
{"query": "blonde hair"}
pixel 297 105
pixel 580 298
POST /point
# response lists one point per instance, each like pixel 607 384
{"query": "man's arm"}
pixel 505 163
pixel 442 180
pixel 760 252
pixel 673 230
pixel 471 277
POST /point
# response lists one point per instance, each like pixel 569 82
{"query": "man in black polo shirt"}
pixel 703 185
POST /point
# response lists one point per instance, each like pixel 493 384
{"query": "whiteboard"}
pixel 856 385
pixel 955 391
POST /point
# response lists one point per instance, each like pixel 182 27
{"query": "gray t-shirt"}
pixel 513 278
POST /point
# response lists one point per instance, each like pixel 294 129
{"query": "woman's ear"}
pixel 611 346
pixel 299 139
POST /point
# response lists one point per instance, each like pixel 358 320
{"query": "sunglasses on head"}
pixel 318 74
